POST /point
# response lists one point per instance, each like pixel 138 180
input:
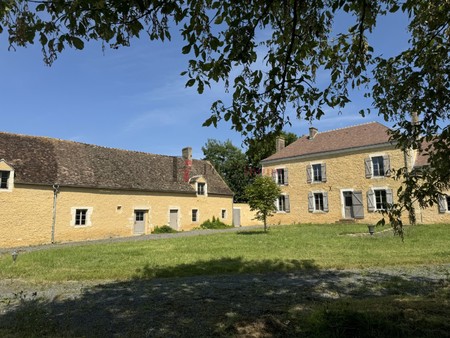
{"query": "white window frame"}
pixel 277 170
pixel 325 207
pixel 373 167
pixel 205 189
pixel 224 214
pixel 9 182
pixel 374 199
pixel 277 202
pixel 313 175
pixel 73 212
pixel 386 165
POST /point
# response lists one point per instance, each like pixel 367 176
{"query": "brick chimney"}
pixel 279 143
pixel 187 158
pixel 312 132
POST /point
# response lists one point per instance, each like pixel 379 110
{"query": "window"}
pixel 80 216
pixel 281 176
pixel 318 201
pixel 379 199
pixel 194 215
pixel 283 203
pixel 201 188
pixel 377 166
pixel 139 215
pixel 316 173
pixel 224 213
pixel 444 203
pixel 4 179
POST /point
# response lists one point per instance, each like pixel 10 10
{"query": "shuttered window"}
pixel 283 203
pixel 377 166
pixel 316 173
pixel 318 201
pixel 281 176
pixel 379 199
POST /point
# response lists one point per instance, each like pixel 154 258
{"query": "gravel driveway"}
pixel 201 306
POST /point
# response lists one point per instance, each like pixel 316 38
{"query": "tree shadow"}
pixel 247 304
pixel 252 232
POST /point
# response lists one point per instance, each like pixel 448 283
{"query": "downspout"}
pixel 55 196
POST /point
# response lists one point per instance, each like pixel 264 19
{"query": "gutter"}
pixel 55 197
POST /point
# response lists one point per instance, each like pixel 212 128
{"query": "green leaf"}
pixel 190 83
pixel 78 43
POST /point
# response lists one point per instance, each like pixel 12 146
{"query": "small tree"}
pixel 261 195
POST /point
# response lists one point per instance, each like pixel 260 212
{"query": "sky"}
pixel 134 98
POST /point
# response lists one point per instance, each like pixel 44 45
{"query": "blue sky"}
pixel 133 98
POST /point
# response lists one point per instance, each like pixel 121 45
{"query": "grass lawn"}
pixel 283 248
pixel 207 292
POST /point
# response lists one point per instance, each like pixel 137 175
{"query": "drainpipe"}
pixel 55 196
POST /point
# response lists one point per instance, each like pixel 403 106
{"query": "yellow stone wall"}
pixel 247 216
pixel 26 216
pixel 344 172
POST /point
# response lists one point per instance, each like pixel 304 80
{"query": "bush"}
pixel 165 229
pixel 216 223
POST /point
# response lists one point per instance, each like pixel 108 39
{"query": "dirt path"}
pixel 203 306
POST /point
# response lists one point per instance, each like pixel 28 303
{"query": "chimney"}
pixel 187 157
pixel 312 132
pixel 279 143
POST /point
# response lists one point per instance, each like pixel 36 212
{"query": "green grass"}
pixel 282 248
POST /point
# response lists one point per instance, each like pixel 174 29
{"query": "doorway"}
pixel 139 222
pixel 348 205
pixel 173 218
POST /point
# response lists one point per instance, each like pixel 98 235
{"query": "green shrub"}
pixel 216 223
pixel 165 229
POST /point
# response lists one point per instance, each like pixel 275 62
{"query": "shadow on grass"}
pixel 307 302
pixel 252 232
pixel 223 266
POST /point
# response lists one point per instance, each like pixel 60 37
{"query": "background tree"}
pixel 261 195
pixel 298 39
pixel 231 164
pixel 261 148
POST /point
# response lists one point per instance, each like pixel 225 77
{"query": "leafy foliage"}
pixel 270 54
pixel 231 163
pixel 262 194
pixel 165 229
pixel 215 223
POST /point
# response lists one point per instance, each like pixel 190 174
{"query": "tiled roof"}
pixel 368 134
pixel 41 160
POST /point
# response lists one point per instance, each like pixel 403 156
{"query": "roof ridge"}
pixel 348 127
pixel 49 138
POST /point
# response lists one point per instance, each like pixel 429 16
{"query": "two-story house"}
pixel 342 175
pixel 55 191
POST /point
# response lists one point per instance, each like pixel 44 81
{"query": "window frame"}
pixel 87 217
pixel 374 202
pixel 7 181
pixel 283 203
pixel 318 198
pixel 281 179
pixel 195 216
pixel 378 167
pixel 224 214
pixel 201 189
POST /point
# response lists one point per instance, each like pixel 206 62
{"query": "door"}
pixel 348 204
pixel 236 217
pixel 139 222
pixel 173 219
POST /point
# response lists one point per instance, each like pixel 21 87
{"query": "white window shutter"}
pixel 387 165
pixel 287 203
pixel 389 196
pixel 286 177
pixel 310 202
pixel 368 166
pixel 308 174
pixel 358 207
pixel 371 201
pixel 442 204
pixel 324 172
pixel 325 201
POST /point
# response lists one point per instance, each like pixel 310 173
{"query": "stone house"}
pixel 342 175
pixel 56 191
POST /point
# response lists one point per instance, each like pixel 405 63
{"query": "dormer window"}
pixel 4 179
pixel 201 188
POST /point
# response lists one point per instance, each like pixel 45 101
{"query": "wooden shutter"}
pixel 371 207
pixel 323 168
pixel 357 202
pixel 287 203
pixel 286 177
pixel 308 174
pixel 325 201
pixel 389 197
pixel 442 204
pixel 368 165
pixel 274 175
pixel 387 166
pixel 310 202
